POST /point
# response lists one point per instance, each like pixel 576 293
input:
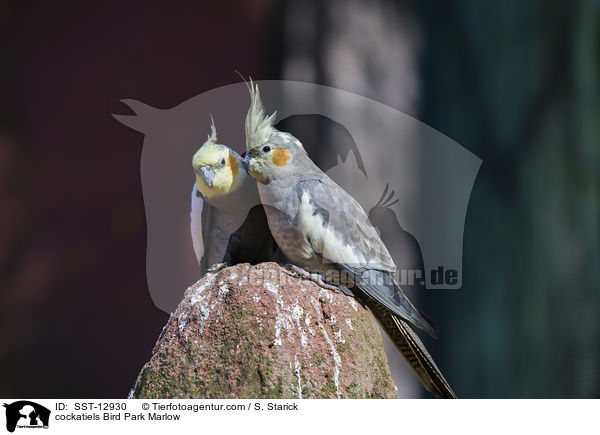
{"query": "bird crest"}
pixel 210 151
pixel 259 126
pixel 212 137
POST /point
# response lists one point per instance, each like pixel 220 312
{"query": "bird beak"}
pixel 247 157
pixel 208 175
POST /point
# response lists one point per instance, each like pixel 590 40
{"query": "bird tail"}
pixel 413 350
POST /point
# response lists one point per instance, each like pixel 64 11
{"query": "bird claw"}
pixel 297 271
pixel 217 266
pixel 316 278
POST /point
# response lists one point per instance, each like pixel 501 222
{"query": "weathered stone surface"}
pixel 258 332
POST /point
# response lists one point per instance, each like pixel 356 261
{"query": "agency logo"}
pixel 25 414
pixel 412 181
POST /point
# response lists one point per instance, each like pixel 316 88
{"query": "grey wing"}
pixel 210 232
pixel 339 229
pixel 196 209
pixel 381 286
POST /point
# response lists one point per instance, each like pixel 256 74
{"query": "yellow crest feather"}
pixel 259 126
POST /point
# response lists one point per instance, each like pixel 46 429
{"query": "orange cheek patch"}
pixel 233 165
pixel 280 157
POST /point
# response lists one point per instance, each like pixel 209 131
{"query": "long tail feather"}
pixel 380 287
pixel 413 350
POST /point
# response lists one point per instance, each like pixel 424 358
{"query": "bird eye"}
pixel 222 161
pixel 266 149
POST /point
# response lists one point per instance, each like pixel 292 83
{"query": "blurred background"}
pixel 516 83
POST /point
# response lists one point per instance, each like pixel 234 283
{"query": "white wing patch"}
pixel 196 224
pixel 324 240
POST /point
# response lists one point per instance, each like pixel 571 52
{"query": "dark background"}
pixel 517 83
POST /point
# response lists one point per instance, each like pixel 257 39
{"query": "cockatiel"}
pixel 228 223
pixel 321 228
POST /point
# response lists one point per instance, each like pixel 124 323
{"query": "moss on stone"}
pixel 255 342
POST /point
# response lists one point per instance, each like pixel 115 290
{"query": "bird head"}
pixel 273 160
pixel 271 154
pixel 217 167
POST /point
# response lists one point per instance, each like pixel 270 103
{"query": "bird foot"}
pixel 217 266
pixel 316 278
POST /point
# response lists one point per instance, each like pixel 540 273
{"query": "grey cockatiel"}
pixel 228 223
pixel 321 228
